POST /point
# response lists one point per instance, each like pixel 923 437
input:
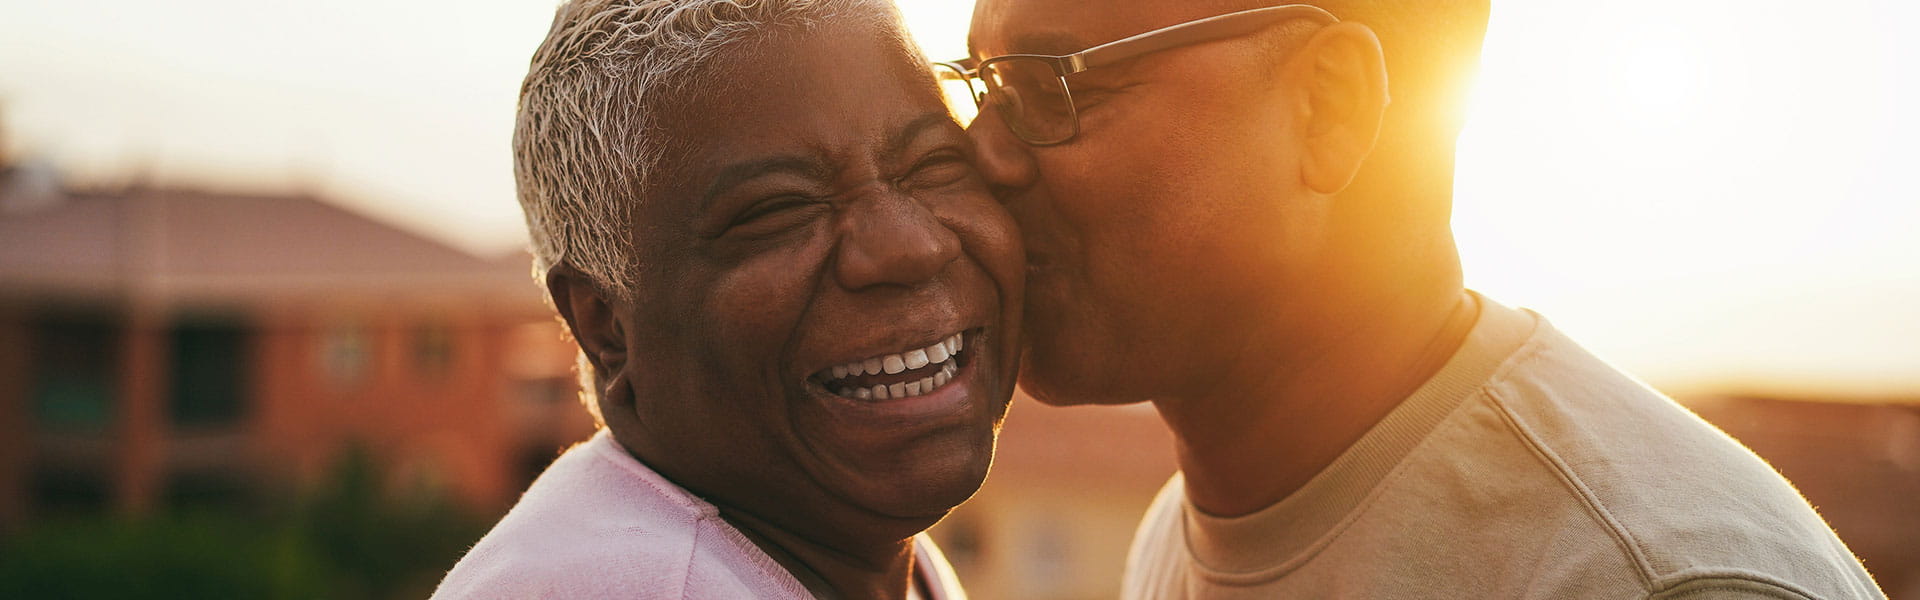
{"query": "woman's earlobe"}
pixel 616 400
pixel 592 318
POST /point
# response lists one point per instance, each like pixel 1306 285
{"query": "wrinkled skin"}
pixel 823 208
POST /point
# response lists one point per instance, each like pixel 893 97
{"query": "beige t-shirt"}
pixel 1526 468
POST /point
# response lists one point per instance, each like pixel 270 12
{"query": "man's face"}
pixel 1149 231
pixel 822 213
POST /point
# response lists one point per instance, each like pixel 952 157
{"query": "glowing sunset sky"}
pixel 1713 192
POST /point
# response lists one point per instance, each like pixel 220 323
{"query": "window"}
pixel 76 362
pixel 433 349
pixel 210 373
pixel 345 354
pixel 70 490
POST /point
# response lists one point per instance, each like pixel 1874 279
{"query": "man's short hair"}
pixel 588 138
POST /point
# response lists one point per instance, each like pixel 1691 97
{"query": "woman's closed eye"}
pixel 775 215
pixel 939 169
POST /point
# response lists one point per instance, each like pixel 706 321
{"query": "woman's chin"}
pixel 928 488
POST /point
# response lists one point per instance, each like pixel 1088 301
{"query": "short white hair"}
pixel 588 140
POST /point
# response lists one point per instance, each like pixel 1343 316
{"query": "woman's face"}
pixel 822 217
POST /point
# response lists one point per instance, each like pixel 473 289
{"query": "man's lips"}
pixel 908 373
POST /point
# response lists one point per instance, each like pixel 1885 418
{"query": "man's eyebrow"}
pixel 736 174
pixel 898 142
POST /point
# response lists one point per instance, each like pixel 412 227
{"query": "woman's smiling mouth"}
pixel 904 374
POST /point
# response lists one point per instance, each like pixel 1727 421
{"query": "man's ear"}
pixel 1343 73
pixel 592 317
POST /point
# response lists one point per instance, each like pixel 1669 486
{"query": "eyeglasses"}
pixel 1030 90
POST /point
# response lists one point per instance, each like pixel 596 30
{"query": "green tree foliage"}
pixel 351 538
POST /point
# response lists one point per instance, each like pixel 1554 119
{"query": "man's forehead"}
pixel 1030 27
pixel 1067 26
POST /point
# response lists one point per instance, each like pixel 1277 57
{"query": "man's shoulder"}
pixel 1621 444
pixel 594 524
pixel 1590 420
pixel 1684 501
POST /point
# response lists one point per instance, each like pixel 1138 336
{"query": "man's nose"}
pixel 893 239
pixel 1005 161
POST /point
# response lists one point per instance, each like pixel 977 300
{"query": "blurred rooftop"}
pixel 186 245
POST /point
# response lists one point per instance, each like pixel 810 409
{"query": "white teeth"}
pixel 916 359
pixel 925 385
pixel 938 353
pixel 941 354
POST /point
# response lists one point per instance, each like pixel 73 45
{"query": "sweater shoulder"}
pixel 591 524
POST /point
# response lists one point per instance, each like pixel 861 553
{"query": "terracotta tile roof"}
pixel 190 244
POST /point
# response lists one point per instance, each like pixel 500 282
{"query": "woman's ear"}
pixel 1342 72
pixel 593 318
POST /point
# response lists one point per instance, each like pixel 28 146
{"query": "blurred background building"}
pixel 168 349
pixel 171 343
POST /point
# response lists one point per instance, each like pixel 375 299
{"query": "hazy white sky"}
pixel 1717 191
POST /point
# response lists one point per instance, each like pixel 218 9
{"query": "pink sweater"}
pixel 599 524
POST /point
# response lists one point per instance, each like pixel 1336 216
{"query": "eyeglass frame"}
pixel 1219 27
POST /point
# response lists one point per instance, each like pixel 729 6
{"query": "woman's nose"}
pixel 893 239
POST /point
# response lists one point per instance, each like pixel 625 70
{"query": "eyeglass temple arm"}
pixel 1193 32
pixel 968 66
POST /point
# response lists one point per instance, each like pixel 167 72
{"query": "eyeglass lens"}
pixel 962 100
pixel 1032 97
pixel 1028 93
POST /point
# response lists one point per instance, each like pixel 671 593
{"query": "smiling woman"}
pixel 798 303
